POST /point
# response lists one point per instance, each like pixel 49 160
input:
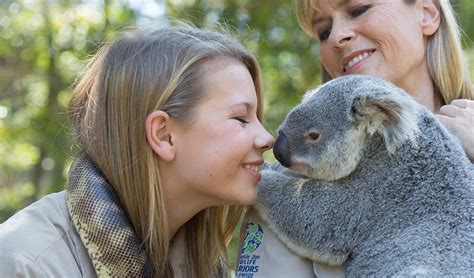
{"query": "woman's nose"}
pixel 341 32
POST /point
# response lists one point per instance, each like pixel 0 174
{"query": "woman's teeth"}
pixel 357 59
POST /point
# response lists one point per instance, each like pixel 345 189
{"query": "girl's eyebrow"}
pixel 247 105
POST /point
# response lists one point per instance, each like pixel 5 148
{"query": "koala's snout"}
pixel 281 150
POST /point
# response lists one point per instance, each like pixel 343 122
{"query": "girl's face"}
pixel 381 38
pixel 221 152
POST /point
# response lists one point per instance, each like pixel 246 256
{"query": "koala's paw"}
pixel 270 179
pixel 265 182
pixel 274 188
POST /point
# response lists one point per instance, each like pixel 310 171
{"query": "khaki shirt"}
pixel 41 241
pixel 263 254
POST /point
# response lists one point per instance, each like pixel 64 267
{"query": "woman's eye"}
pixel 324 35
pixel 359 10
pixel 242 120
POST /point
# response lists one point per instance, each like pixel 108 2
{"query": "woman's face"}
pixel 381 38
pixel 221 152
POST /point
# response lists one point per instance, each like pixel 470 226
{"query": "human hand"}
pixel 458 117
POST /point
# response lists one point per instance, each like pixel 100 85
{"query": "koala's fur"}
pixel 384 190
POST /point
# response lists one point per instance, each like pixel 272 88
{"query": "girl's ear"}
pixel 431 17
pixel 159 135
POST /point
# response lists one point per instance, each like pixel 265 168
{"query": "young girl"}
pixel 169 123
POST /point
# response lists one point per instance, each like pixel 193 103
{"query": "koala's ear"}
pixel 309 94
pixel 391 115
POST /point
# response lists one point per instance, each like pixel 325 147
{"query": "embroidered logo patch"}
pixel 253 238
pixel 249 264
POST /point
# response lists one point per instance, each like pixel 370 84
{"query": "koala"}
pixel 372 181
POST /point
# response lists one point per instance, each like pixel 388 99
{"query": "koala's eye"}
pixel 312 137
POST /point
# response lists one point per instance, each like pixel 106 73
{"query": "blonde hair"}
pixel 447 64
pixel 139 73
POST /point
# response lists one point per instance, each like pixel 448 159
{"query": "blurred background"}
pixel 44 46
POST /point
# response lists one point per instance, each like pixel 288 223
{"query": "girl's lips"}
pixel 253 173
pixel 254 168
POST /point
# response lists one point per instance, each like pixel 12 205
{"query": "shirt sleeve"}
pixel 262 254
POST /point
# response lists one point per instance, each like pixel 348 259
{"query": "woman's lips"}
pixel 354 59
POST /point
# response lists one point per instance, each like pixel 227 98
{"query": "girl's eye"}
pixel 242 120
pixel 359 10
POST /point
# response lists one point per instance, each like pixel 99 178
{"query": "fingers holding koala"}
pixel 458 118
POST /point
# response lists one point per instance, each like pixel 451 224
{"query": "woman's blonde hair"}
pixel 447 63
pixel 139 73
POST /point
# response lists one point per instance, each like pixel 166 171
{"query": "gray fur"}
pixel 385 190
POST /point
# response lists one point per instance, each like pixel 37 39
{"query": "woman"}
pixel 169 123
pixel 415 44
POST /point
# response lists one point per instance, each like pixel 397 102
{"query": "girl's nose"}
pixel 264 139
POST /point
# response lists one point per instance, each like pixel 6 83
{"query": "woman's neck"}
pixel 430 100
pixel 421 88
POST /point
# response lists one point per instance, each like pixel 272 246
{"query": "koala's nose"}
pixel 281 150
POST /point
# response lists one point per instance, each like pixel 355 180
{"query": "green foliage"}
pixel 43 48
pixel 465 12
